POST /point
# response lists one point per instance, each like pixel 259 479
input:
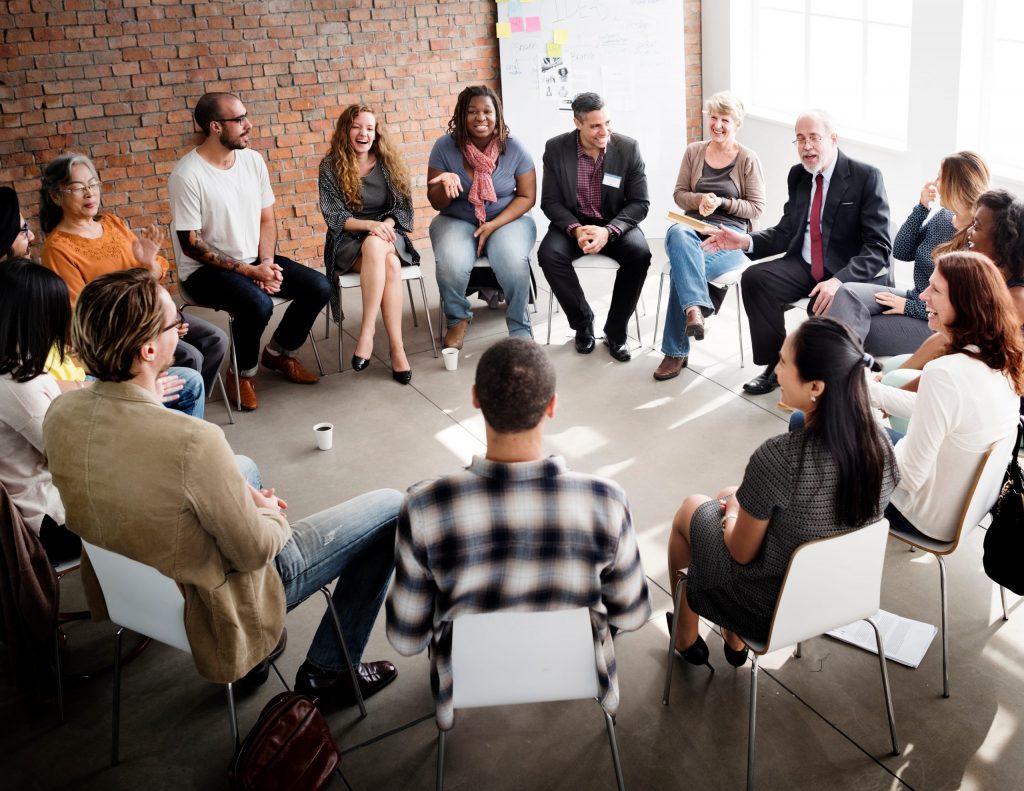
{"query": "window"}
pixel 850 58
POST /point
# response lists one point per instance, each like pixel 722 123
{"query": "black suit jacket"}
pixel 854 223
pixel 624 206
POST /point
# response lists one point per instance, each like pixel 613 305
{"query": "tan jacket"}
pixel 747 177
pixel 163 488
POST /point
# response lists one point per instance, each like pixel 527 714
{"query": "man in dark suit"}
pixel 594 194
pixel 834 230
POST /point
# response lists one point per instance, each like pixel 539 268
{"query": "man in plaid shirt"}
pixel 514 531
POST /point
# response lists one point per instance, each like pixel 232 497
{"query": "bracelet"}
pixel 728 517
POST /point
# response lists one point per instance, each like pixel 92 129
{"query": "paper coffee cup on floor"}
pixel 451 358
pixel 324 435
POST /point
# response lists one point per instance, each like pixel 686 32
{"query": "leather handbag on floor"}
pixel 289 747
pixel 1004 541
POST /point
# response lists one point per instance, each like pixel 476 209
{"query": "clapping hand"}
pixel 708 203
pixel 452 184
pixel 146 245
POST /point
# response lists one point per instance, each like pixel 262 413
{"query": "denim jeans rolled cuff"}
pixel 508 253
pixel 192 397
pixel 690 269
pixel 353 543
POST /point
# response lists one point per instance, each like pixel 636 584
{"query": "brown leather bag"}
pixel 289 747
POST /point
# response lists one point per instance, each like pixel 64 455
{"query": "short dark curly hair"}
pixel 1008 232
pixel 515 381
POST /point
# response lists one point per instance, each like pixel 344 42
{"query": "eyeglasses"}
pixel 25 230
pixel 812 139
pixel 176 325
pixel 238 120
pixel 79 189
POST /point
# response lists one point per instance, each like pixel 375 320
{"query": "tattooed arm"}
pixel 265 273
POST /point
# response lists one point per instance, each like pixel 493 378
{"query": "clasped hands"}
pixel 592 238
pixel 268 275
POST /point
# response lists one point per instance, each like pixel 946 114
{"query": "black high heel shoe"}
pixel 696 654
pixel 402 377
pixel 734 657
pixel 359 363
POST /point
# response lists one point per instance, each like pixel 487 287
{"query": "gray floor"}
pixel 821 720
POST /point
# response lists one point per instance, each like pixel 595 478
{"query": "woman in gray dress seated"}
pixel 366 200
pixel 832 476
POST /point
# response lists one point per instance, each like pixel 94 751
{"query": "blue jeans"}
pixel 690 270
pixel 251 308
pixel 354 543
pixel 507 250
pixel 192 397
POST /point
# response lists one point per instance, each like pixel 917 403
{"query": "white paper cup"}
pixel 324 435
pixel 451 358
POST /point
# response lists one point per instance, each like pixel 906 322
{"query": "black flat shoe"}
pixel 764 382
pixel 402 377
pixel 619 351
pixel 585 339
pixel 696 654
pixel 359 363
pixel 734 657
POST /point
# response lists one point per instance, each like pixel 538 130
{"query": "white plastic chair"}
pixel 503 658
pixel 724 280
pixel 595 261
pixel 829 583
pixel 351 280
pixel 481 263
pixel 988 480
pixel 140 598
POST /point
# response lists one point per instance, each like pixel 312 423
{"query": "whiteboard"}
pixel 629 51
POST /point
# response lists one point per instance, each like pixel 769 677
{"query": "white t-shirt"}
pixel 23 470
pixel 960 409
pixel 224 204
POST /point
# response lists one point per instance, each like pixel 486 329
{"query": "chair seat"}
pixel 730 278
pixel 801 303
pixel 595 261
pixel 933 545
pixel 351 279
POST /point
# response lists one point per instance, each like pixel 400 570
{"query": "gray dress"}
pixel 790 481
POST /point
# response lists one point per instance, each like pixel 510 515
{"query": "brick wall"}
pixel 117 80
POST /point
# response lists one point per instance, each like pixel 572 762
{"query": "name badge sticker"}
pixel 612 181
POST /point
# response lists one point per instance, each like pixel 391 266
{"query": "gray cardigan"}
pixel 746 175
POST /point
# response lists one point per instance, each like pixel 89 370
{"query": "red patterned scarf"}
pixel 483 164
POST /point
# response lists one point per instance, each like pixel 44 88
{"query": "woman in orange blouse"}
pixel 82 244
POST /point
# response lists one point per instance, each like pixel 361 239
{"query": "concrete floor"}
pixel 821 721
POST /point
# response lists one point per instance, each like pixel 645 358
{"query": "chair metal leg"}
pixel 224 396
pixel 440 759
pixel 415 320
pixel 657 310
pixel 885 686
pixel 799 651
pixel 283 682
pixel 945 638
pixel 614 745
pixel 677 600
pixel 551 304
pixel 752 725
pixel 1002 597
pixel 639 337
pixel 426 312
pixel 60 674
pixel 316 353
pixel 739 322
pixel 115 720
pixel 234 362
pixel 341 334
pixel 344 651
pixel 232 715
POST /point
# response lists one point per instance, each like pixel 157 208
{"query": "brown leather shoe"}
pixel 245 387
pixel 456 336
pixel 333 690
pixel 670 368
pixel 293 370
pixel 695 323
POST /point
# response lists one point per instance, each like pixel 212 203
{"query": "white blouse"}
pixel 960 409
pixel 23 470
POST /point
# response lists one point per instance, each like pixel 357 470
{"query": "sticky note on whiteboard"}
pixel 503 29
pixel 533 24
pixel 516 23
pixel 554 50
pixel 560 35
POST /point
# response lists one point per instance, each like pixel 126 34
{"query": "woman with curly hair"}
pixel 483 182
pixel 966 399
pixel 366 201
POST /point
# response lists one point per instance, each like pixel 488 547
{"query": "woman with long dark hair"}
pixel 366 200
pixel 830 476
pixel 483 182
pixel 966 399
pixel 34 316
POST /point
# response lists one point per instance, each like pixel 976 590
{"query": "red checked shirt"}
pixel 589 175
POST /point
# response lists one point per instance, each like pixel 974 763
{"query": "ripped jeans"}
pixel 354 543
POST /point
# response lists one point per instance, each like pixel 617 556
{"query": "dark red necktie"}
pixel 817 253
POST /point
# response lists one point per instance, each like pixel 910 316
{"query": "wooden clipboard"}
pixel 698 225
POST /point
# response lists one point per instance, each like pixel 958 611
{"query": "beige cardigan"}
pixel 746 175
pixel 163 488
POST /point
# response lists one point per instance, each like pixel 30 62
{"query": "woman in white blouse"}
pixel 966 400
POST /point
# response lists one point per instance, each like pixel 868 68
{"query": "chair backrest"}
pixel 984 491
pixel 829 583
pixel 139 597
pixel 500 658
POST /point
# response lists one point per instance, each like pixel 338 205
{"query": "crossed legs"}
pixel 380 279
